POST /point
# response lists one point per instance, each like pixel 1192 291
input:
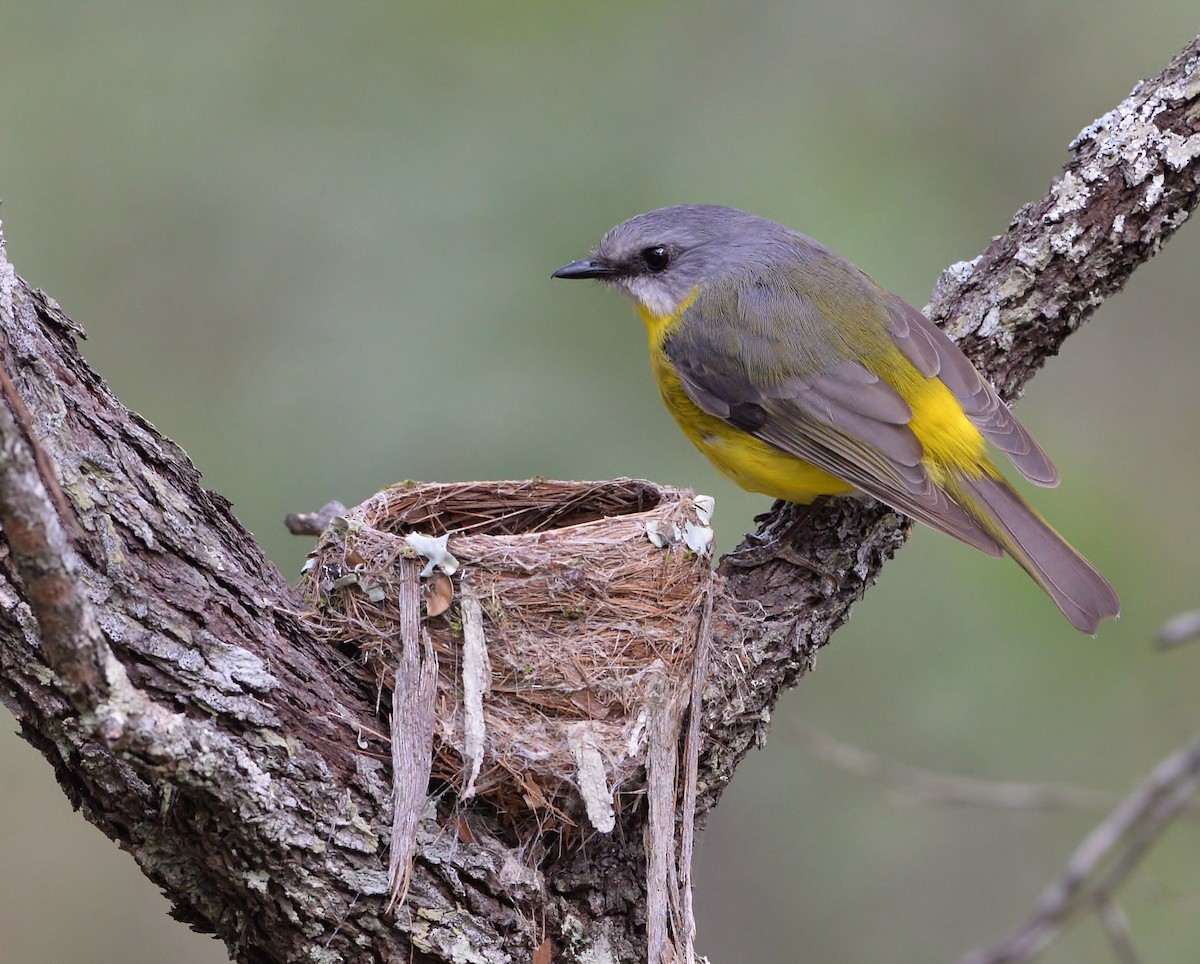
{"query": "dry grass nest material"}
pixel 591 600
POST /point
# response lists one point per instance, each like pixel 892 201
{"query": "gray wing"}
pixel 831 412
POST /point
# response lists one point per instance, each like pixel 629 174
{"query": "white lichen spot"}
pixel 1154 192
pixel 1093 130
pixel 1180 151
pixel 1033 256
pixel 1063 242
pixel 961 271
pixel 593 946
pixel 1186 89
pixel 1192 88
pixel 8 283
pixel 1093 172
pixel 258 880
pixel 991 321
pixel 1118 225
pixel 1070 193
pixel 1138 167
pixel 462 951
pixel 600 952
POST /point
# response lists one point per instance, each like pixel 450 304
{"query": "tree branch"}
pixel 947 789
pixel 1087 882
pixel 155 659
pixel 46 563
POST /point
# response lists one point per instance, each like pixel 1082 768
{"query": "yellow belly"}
pixel 752 464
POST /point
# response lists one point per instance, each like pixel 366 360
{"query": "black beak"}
pixel 587 268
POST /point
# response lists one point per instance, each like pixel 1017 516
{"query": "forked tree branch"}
pixel 152 652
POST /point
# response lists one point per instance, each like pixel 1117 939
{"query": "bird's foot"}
pixel 778 546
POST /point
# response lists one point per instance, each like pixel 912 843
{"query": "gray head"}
pixel 659 258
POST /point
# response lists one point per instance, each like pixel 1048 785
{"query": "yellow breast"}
pixel 752 464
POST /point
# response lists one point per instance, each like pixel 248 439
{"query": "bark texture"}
pixel 151 652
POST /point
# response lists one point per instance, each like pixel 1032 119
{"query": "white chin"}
pixel 651 295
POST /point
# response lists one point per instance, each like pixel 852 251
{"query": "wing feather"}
pixel 932 352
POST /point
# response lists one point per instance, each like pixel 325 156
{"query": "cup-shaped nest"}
pixel 563 615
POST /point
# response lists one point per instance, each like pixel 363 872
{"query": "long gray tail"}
pixel 1084 596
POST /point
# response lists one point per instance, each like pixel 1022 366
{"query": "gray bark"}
pixel 153 654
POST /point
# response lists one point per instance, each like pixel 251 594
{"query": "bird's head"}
pixel 660 258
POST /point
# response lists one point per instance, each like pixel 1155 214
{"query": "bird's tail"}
pixel 1084 596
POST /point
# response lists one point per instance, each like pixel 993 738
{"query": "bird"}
pixel 798 376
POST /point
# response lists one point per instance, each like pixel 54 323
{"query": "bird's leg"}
pixel 778 545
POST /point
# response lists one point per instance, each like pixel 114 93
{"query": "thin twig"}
pixel 1116 929
pixel 312 523
pixel 1105 859
pixel 941 788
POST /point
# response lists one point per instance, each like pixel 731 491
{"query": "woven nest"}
pixel 591 597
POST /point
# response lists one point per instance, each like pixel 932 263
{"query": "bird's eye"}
pixel 656 258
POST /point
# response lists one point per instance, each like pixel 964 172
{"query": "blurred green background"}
pixel 312 244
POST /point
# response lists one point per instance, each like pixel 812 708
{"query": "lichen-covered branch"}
pixel 192 716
